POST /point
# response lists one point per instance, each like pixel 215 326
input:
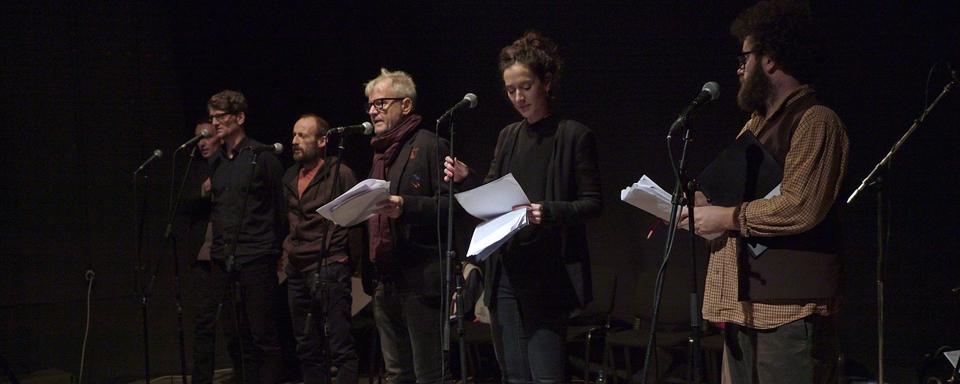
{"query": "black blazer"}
pixel 414 176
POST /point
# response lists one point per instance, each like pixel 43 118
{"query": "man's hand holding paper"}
pixel 357 204
pixel 710 220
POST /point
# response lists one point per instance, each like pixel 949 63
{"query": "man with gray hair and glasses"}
pixel 403 231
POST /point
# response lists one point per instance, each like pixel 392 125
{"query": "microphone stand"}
pixel 319 284
pixel 682 188
pixel 232 278
pixel 453 276
pixel 174 205
pixel 139 216
pixel 874 179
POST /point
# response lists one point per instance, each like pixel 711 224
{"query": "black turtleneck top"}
pixel 532 152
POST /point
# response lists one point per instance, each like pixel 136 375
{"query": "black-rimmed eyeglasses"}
pixel 742 57
pixel 219 117
pixel 382 103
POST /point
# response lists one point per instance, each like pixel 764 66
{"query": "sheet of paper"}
pixel 494 198
pixel 952 356
pixel 356 205
pixel 648 196
pixel 493 203
pixel 756 247
pixel 490 235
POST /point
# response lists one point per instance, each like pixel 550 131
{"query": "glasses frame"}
pixel 383 105
pixel 742 57
pixel 220 117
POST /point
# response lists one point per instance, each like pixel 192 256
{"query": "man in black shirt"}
pixel 196 208
pixel 248 225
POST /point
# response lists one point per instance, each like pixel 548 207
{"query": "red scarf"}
pixel 386 148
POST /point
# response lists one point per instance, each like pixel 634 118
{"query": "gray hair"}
pixel 400 81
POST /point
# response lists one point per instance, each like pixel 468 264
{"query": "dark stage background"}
pixel 89 90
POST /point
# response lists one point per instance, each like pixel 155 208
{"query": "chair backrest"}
pixel 604 292
pixel 674 310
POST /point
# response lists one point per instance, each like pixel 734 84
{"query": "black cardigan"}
pixel 572 196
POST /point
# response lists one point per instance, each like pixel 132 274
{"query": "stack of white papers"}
pixel 648 196
pixel 493 203
pixel 356 205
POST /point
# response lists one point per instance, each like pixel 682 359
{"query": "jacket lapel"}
pixel 321 173
pixel 290 180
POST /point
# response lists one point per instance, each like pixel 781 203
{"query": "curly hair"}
pixel 785 31
pixel 536 52
pixel 228 101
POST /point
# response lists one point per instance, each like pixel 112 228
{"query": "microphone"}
pixel 469 100
pixel 365 129
pixel 709 92
pixel 156 155
pixel 204 134
pixel 276 148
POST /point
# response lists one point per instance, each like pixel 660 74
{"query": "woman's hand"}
pixel 534 212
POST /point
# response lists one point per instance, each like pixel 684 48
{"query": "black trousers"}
pixel 526 354
pixel 410 328
pixel 209 306
pixel 804 351
pixel 333 303
pixel 257 283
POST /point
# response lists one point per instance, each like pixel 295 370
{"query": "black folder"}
pixel 742 172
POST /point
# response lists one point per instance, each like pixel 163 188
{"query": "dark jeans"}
pixel 804 351
pixel 257 280
pixel 410 330
pixel 534 353
pixel 335 305
pixel 210 307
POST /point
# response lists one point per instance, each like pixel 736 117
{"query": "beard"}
pixel 305 155
pixel 754 91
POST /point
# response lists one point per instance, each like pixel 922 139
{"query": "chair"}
pixel 673 332
pixel 476 322
pixel 594 320
pixel 635 340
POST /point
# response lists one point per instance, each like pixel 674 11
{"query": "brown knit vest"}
pixel 805 266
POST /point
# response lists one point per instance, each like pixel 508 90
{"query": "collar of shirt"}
pixel 757 119
pixel 783 103
pixel 306 176
pixel 236 150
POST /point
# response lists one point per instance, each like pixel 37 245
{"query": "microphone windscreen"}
pixel 157 153
pixel 205 133
pixel 367 128
pixel 713 89
pixel 470 97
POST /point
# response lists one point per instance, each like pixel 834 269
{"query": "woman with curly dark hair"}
pixel 543 273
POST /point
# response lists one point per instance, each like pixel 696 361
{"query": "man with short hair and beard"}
pixel 316 248
pixel 776 305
